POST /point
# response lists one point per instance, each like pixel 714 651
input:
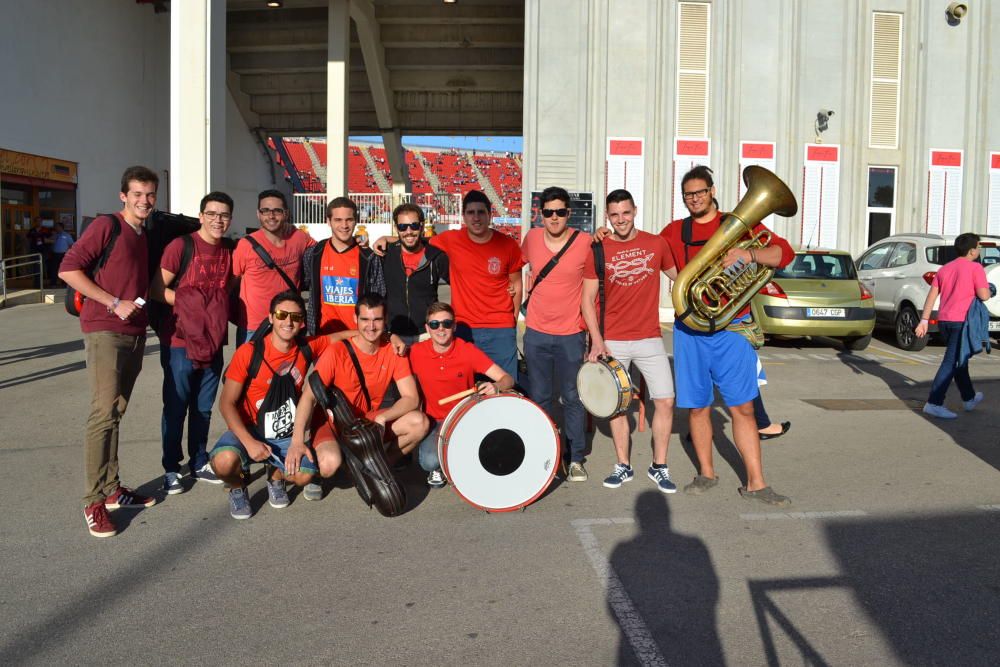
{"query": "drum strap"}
pixel 598 249
pixel 547 269
pixel 361 373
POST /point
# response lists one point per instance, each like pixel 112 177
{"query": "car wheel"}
pixel 857 343
pixel 906 337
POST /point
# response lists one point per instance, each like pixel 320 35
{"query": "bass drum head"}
pixel 599 389
pixel 499 452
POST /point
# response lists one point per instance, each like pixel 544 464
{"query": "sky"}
pixel 512 144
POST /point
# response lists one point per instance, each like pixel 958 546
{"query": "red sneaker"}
pixel 99 521
pixel 126 497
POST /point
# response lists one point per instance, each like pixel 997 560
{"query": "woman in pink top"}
pixel 958 283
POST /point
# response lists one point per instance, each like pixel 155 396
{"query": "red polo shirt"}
pixel 444 374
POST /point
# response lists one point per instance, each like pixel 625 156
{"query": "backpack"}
pixel 74 300
pixel 158 310
pixel 276 413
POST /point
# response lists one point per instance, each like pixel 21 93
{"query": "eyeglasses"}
pixel 271 211
pixel 697 194
pixel 437 324
pixel 558 212
pixel 216 215
pixel 412 226
pixel 297 316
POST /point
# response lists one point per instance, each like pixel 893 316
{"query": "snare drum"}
pixel 499 452
pixel 604 387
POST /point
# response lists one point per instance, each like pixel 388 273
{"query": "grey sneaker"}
pixel 619 474
pixel 435 479
pixel 277 497
pixel 577 473
pixel 662 478
pixel 939 411
pixel 206 474
pixel 312 491
pixel 172 483
pixel 973 402
pixel 700 485
pixel 239 503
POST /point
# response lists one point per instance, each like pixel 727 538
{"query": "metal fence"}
pixel 444 208
pixel 26 267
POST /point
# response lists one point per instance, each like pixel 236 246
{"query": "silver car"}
pixel 898 271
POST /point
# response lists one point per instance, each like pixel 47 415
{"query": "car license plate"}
pixel 995 326
pixel 825 312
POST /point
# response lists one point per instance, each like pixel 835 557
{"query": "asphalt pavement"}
pixel 887 556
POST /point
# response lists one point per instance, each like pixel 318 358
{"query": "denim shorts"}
pixel 279 447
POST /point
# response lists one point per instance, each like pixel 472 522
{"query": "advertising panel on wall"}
pixel 944 192
pixel 761 154
pixel 819 204
pixel 993 204
pixel 626 168
pixel 581 205
pixel 688 152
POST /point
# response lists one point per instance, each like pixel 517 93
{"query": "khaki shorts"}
pixel 650 358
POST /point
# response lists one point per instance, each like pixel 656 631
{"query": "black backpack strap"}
pixel 269 262
pixel 186 254
pixel 116 230
pixel 361 373
pixel 547 269
pixel 686 226
pixel 598 249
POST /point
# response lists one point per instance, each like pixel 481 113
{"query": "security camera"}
pixel 822 121
pixel 824 114
pixel 956 11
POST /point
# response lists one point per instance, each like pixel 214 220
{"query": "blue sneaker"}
pixel 239 503
pixel 619 474
pixel 662 478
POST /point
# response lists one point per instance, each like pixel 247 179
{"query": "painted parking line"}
pixel 780 516
pixel 989 508
pixel 629 620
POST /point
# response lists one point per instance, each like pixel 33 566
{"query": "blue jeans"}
pixel 187 392
pixel 427 452
pixel 499 344
pixel 279 449
pixel 554 362
pixel 952 334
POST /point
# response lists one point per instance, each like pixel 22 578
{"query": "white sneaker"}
pixel 973 402
pixel 172 483
pixel 939 411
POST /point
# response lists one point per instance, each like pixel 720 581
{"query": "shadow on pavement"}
pixel 40 352
pixel 672 584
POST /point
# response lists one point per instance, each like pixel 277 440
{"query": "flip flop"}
pixel 771 436
pixel 766 496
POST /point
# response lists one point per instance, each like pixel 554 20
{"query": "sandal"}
pixel 700 485
pixel 766 496
pixel 770 436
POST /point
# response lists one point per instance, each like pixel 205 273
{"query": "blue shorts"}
pixel 702 361
pixel 279 447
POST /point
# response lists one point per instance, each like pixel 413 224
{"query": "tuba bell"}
pixel 708 296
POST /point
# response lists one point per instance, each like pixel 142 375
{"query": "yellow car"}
pixel 817 294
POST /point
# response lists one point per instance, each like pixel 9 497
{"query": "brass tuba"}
pixel 707 296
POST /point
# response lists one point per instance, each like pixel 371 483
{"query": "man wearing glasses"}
pixel 724 359
pixel 267 261
pixel 555 340
pixel 194 279
pixel 413 270
pixel 263 384
pixel 445 365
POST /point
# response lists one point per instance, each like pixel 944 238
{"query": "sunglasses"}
pixel 437 324
pixel 412 226
pixel 558 212
pixel 284 315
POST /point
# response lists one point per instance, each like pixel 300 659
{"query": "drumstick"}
pixel 455 397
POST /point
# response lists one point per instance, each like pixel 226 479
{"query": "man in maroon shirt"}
pixel 114 334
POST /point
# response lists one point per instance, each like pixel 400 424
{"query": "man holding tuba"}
pixel 724 358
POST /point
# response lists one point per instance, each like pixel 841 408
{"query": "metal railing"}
pixel 35 266
pixel 443 208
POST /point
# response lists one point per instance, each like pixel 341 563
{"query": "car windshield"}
pixel 819 265
pixel 942 254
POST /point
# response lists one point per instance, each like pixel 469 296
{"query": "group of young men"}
pixel 375 327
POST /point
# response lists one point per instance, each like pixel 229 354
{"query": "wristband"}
pixel 114 305
pixel 923 320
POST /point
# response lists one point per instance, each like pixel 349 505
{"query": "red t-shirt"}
pixel 210 267
pixel 958 281
pixel 444 374
pixel 480 277
pixel 413 260
pixel 338 277
pixel 554 307
pixel 632 285
pixel 702 232
pixel 281 362
pixel 336 368
pixel 259 283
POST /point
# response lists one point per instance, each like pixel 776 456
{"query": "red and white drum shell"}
pixel 499 452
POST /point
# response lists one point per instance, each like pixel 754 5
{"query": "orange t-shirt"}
pixel 480 276
pixel 339 282
pixel 282 362
pixel 554 307
pixel 259 284
pixel 336 368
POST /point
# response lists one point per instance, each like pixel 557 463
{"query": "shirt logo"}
pixel 493 265
pixel 630 267
pixel 340 291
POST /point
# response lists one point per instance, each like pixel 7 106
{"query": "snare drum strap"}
pixel 598 248
pixel 361 373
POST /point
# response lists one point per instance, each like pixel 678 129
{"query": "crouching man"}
pixel 263 385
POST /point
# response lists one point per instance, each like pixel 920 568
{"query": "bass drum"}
pixel 605 387
pixel 499 452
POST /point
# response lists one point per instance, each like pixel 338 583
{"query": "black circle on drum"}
pixel 501 452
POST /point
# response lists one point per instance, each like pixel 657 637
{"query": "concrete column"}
pixel 337 76
pixel 197 102
pixel 393 141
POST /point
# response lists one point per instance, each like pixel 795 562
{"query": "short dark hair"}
pixel 216 196
pixel 476 197
pixel 370 301
pixel 439 307
pixel 553 193
pixel 272 193
pixel 966 242
pixel 408 207
pixel 700 172
pixel 287 295
pixel 341 202
pixel 141 174
pixel 618 196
